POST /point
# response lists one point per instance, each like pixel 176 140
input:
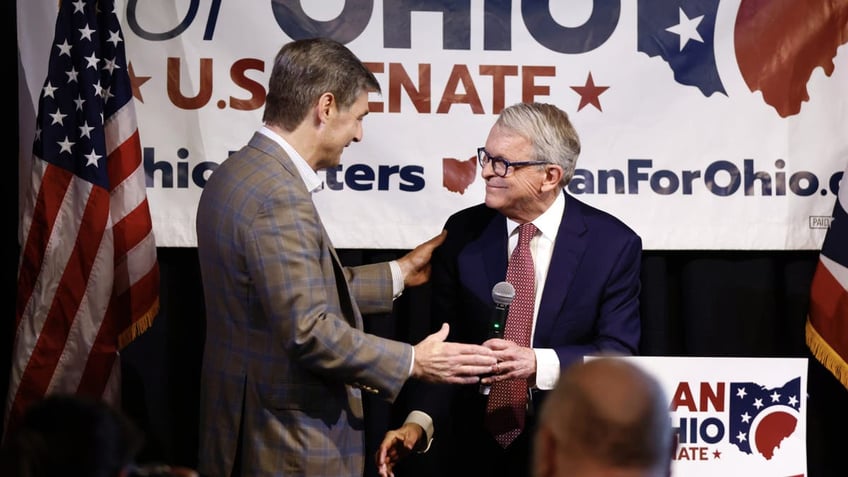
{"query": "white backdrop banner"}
pixel 735 416
pixel 705 124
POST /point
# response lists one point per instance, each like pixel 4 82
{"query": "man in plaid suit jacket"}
pixel 286 359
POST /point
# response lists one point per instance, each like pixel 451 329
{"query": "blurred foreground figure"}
pixel 605 417
pixel 68 435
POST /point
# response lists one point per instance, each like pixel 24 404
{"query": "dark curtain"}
pixel 694 303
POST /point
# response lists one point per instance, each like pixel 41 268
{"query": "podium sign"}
pixel 735 416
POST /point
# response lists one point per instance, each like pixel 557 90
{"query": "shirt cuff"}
pixel 426 422
pixel 547 368
pixel 397 279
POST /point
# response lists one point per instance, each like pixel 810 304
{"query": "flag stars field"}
pixel 88 280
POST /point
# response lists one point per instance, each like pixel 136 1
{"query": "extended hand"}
pixel 415 265
pixel 439 361
pixel 396 445
pixel 514 362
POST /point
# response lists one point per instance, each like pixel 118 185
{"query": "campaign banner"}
pixel 735 416
pixel 705 124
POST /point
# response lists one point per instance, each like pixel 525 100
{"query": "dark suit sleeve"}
pixel 613 322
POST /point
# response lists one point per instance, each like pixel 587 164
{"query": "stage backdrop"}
pixel 705 124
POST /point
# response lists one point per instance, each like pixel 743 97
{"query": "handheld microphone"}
pixel 503 293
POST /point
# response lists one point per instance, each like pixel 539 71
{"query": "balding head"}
pixel 606 417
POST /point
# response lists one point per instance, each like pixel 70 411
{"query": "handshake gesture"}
pixel 439 361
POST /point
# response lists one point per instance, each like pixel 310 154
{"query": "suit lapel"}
pixel 571 243
pixel 351 312
pixel 488 253
pixel 346 300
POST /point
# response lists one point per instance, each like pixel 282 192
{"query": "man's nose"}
pixel 488 170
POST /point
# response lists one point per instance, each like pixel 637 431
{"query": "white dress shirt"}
pixel 542 248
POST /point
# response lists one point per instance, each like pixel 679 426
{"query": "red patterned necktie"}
pixel 507 404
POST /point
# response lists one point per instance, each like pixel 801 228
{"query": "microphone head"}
pixel 503 293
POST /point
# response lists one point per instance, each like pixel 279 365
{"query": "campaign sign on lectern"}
pixel 735 416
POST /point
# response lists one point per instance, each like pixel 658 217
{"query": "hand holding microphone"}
pixel 503 293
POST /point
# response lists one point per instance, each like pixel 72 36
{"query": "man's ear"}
pixel 326 106
pixel 553 176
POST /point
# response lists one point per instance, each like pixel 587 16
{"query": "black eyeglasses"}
pixel 500 166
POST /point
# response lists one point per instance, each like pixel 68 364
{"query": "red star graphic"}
pixel 589 93
pixel 716 454
pixel 137 81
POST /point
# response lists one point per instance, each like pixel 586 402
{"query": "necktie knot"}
pixel 526 233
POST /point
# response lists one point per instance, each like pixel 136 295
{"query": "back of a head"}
pixel 606 417
pixel 71 435
pixel 303 70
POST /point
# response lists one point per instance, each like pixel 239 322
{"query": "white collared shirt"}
pixel 542 248
pixel 310 178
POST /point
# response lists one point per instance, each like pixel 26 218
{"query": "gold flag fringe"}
pixel 139 326
pixel 828 357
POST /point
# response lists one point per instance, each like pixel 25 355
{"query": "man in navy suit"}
pixel 586 293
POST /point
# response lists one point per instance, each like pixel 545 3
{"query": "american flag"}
pixel 750 403
pixel 88 279
pixel 827 320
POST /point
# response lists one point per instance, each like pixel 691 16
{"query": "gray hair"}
pixel 551 133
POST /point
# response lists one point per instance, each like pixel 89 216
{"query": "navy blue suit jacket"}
pixel 590 301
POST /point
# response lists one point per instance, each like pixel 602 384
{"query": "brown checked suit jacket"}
pixel 285 358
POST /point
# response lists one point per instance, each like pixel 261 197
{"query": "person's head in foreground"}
pixel 79 436
pixel 605 418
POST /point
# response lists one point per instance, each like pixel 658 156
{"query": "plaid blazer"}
pixel 285 358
